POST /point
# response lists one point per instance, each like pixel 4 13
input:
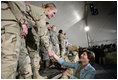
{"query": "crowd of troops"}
pixel 27 39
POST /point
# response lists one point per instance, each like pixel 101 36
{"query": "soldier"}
pixel 38 15
pixel 61 38
pixel 11 33
pixel 13 43
pixel 54 39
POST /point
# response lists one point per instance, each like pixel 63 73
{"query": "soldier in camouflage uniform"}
pixel 11 39
pixel 13 43
pixel 54 39
pixel 61 39
pixel 38 15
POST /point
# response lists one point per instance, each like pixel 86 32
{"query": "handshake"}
pixel 51 53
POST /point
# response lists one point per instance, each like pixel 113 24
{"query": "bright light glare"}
pixel 86 28
pixel 77 16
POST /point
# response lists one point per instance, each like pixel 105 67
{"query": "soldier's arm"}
pixel 42 32
pixel 18 8
pixel 39 17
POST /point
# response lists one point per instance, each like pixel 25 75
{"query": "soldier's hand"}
pixel 24 31
pixel 53 53
pixel 50 53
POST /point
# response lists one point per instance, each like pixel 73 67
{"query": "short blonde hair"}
pixel 48 5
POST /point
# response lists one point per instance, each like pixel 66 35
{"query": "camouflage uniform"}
pixel 54 41
pixel 11 38
pixel 33 50
pixel 61 38
pixel 38 16
pixel 11 41
pixel 24 63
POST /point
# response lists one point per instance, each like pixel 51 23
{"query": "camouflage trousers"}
pixel 62 50
pixel 10 49
pixel 35 59
pixel 24 63
pixel 44 53
pixel 33 51
pixel 55 48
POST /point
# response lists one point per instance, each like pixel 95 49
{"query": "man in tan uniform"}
pixel 38 16
pixel 61 38
pixel 13 43
pixel 11 39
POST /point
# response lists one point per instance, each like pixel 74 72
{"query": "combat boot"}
pixel 28 77
pixel 36 75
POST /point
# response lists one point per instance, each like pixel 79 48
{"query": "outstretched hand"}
pixel 24 31
pixel 51 53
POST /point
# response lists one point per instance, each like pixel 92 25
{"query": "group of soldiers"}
pixel 26 38
pixel 22 32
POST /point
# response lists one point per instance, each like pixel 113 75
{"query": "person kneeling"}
pixel 83 68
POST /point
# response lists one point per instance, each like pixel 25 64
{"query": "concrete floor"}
pixel 107 71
